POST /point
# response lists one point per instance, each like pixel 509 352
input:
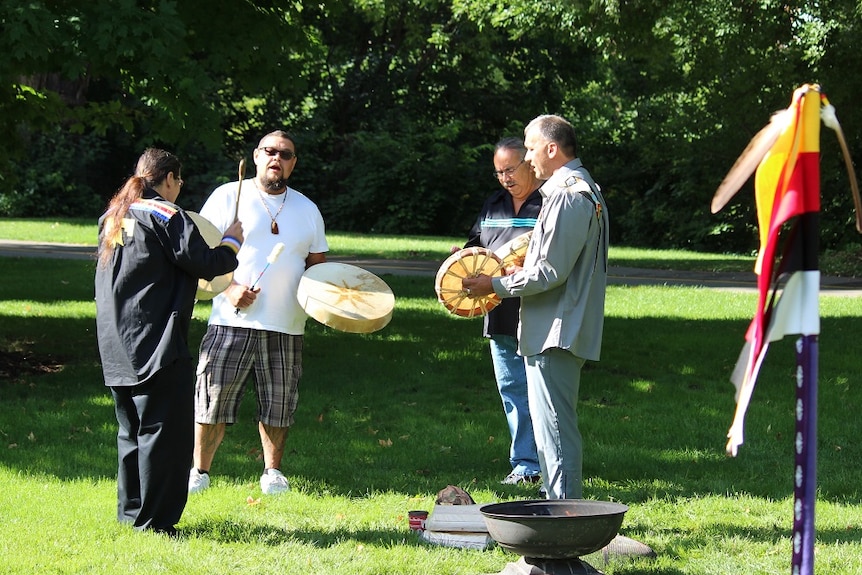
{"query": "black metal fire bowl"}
pixel 553 528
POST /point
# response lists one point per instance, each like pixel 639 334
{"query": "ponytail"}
pixel 152 168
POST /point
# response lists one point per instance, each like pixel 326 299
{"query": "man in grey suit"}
pixel 562 290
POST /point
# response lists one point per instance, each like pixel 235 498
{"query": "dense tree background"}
pixel 396 104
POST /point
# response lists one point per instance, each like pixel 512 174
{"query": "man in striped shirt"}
pixel 510 212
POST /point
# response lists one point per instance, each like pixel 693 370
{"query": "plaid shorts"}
pixel 227 357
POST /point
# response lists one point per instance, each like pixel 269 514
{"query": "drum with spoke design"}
pixel 467 263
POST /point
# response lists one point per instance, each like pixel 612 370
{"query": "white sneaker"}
pixel 273 482
pixel 198 481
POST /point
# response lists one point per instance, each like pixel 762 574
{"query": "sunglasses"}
pixel 283 154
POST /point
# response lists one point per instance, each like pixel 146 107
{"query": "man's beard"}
pixel 274 184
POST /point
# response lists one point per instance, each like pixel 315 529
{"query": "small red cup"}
pixel 417 520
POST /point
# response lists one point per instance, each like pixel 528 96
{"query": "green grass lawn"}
pixel 386 420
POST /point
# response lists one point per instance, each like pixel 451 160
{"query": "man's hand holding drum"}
pixel 478 286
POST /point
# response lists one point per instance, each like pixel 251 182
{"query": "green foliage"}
pixel 396 104
pixel 414 194
pixel 135 74
pixel 845 262
pixel 59 182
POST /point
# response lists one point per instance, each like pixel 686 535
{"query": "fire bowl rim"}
pixel 517 532
pixel 489 508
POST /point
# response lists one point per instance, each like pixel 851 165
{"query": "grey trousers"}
pixel 553 382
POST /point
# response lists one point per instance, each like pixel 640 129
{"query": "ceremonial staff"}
pixel 241 176
pixel 786 155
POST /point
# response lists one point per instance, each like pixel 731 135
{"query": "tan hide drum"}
pixel 208 289
pixel 467 263
pixel 345 297
pixel 512 252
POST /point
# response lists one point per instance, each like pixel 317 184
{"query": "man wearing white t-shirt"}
pixel 256 325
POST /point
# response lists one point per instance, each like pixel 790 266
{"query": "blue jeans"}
pixel 511 377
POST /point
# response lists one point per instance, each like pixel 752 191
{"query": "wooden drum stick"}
pixel 239 188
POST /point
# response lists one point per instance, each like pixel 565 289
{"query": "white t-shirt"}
pixel 302 232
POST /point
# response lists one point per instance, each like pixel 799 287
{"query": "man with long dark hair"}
pixel 151 255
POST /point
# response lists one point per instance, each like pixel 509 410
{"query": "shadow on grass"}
pixel 414 407
pixel 700 538
pixel 232 531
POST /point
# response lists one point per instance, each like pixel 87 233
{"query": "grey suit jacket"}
pixel 563 281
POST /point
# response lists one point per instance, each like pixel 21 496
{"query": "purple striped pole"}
pixel 805 471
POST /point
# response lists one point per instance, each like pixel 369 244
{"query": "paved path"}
pixel 745 281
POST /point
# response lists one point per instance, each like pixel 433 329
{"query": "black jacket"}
pixel 145 294
pixel 496 225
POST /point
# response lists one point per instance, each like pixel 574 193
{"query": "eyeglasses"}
pixel 508 171
pixel 283 154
